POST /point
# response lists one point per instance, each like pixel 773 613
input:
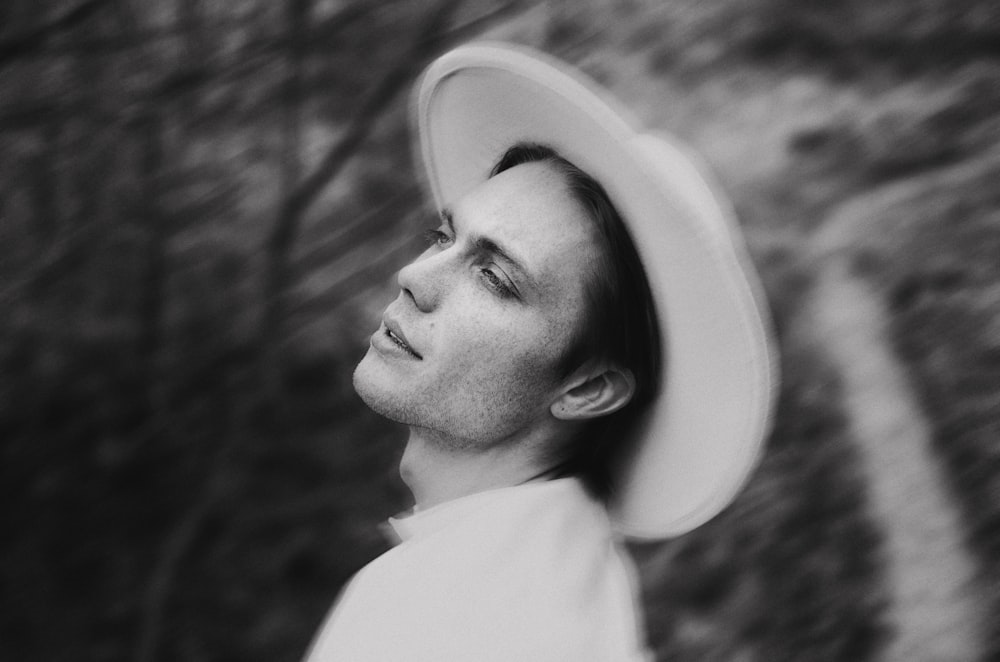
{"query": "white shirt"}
pixel 525 573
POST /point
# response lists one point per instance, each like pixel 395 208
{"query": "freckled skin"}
pixel 488 374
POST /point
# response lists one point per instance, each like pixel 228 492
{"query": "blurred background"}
pixel 202 206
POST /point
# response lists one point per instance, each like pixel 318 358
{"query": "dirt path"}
pixel 930 574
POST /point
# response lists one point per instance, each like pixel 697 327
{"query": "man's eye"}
pixel 497 284
pixel 437 237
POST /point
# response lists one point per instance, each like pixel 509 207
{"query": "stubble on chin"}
pixel 366 381
pixel 382 394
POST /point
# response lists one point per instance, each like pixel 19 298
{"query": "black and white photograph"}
pixel 500 330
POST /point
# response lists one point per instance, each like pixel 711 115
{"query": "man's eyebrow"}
pixel 487 245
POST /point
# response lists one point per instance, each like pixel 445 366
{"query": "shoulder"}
pixel 538 577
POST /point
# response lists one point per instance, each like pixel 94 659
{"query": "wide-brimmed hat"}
pixel 703 434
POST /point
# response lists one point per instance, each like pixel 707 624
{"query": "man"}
pixel 523 352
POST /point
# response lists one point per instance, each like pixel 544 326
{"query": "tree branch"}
pixel 349 234
pixel 390 256
pixel 369 110
pixel 394 81
pixel 24 44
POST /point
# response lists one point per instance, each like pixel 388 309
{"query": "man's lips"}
pixel 396 335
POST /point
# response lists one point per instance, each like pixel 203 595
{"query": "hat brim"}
pixel 701 438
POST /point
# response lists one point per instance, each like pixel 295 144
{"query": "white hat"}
pixel 704 432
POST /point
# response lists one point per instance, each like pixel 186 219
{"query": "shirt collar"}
pixel 416 523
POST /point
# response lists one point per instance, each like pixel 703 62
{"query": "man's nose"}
pixel 423 280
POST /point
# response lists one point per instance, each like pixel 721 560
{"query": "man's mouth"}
pixel 402 344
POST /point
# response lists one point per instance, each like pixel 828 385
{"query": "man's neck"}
pixel 437 471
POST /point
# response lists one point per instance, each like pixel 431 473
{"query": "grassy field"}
pixel 189 473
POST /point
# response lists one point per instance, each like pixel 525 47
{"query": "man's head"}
pixel 529 312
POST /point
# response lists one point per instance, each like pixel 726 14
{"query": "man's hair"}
pixel 620 324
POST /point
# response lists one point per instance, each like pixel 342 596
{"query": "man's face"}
pixel 471 346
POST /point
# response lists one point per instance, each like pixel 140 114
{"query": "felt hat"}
pixel 702 435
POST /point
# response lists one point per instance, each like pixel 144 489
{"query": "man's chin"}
pixel 374 389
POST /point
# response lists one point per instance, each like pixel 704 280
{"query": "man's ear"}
pixel 593 393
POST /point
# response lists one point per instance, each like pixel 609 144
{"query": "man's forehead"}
pixel 530 200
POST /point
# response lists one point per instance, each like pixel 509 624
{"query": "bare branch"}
pixel 390 256
pixel 162 577
pixel 391 84
pixel 347 235
pixel 24 44
pixel 369 110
